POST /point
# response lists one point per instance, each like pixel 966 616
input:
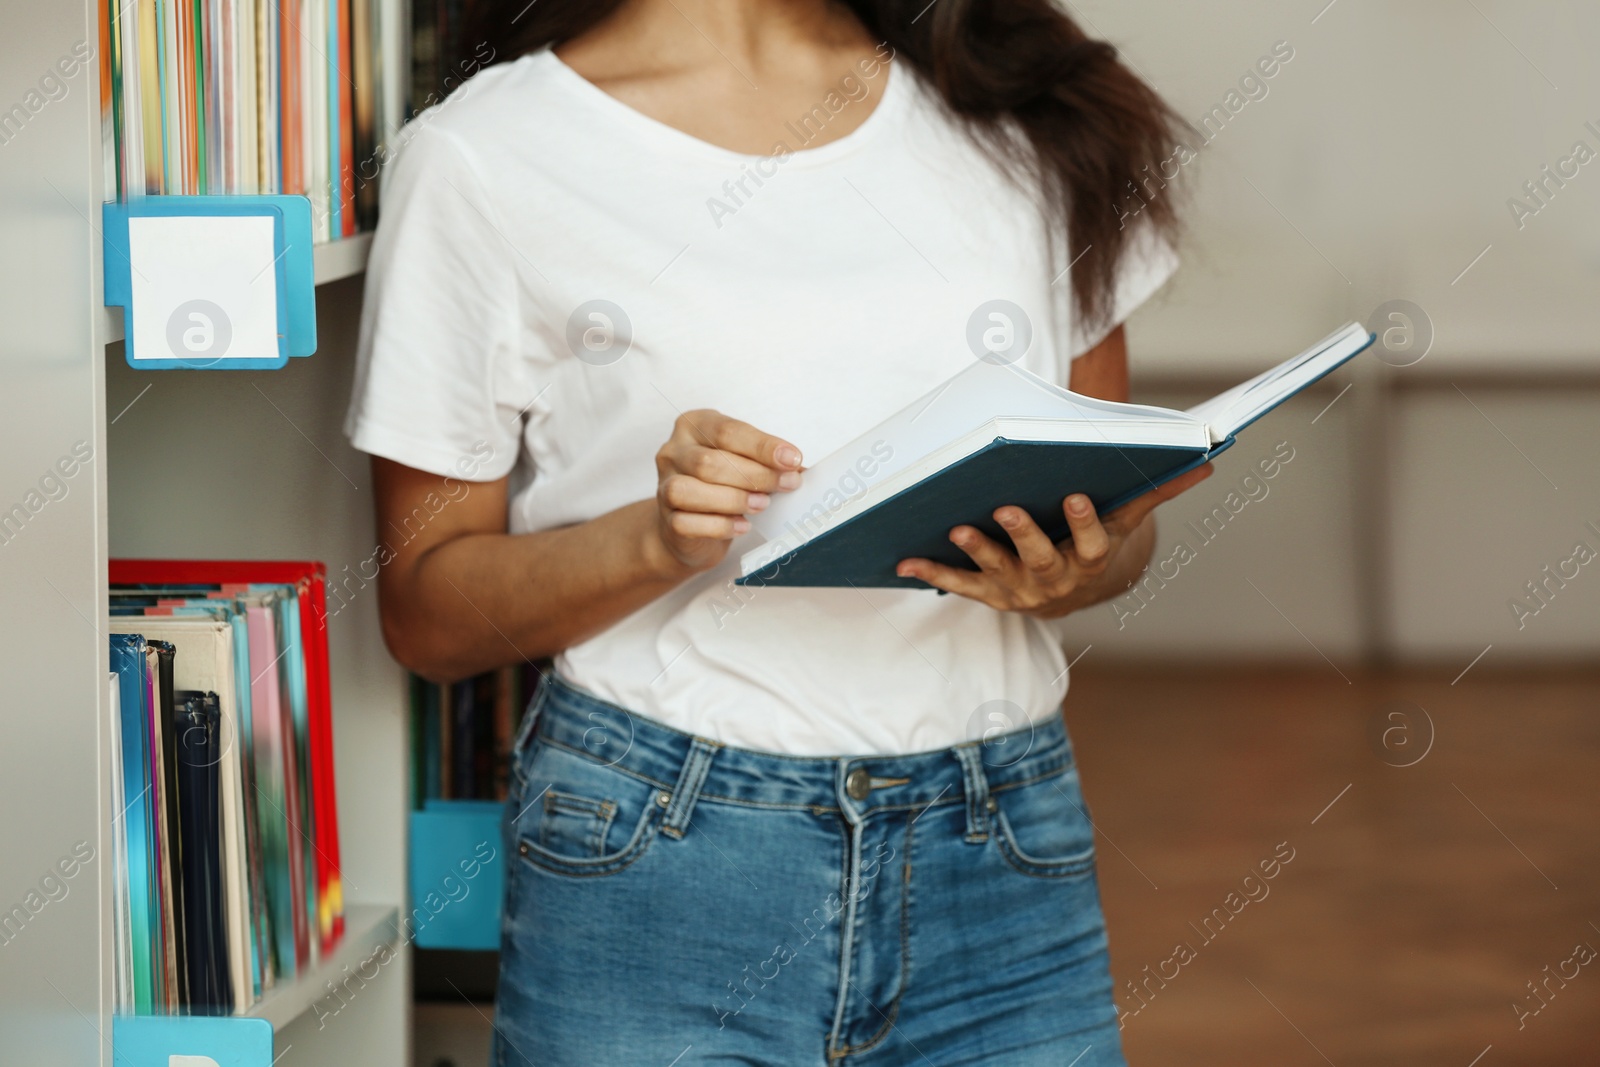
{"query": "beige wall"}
pixel 1378 166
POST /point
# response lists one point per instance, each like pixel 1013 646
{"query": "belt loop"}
pixel 976 784
pixel 681 803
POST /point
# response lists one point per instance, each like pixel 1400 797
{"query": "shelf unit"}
pixel 204 464
pixel 368 930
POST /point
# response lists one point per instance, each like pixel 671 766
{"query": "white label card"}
pixel 205 288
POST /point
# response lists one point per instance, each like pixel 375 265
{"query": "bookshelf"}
pixel 220 464
pixel 368 929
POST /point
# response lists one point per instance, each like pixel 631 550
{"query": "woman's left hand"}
pixel 1047 580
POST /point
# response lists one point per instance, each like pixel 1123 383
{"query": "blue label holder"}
pixel 296 277
pixel 191 1041
pixel 445 839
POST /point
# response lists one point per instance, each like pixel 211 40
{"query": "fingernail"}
pixel 1078 504
pixel 758 501
pixel 789 480
pixel 1008 519
pixel 903 572
pixel 741 526
pixel 788 457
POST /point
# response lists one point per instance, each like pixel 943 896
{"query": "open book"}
pixel 995 435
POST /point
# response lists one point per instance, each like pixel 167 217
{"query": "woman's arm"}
pixel 463 596
pixel 1099 561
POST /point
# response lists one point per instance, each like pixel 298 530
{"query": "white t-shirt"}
pixel 811 294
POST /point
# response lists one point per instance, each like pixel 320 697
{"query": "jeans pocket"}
pixel 574 825
pixel 1043 828
pixel 580 817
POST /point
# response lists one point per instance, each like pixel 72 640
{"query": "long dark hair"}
pixel 1094 135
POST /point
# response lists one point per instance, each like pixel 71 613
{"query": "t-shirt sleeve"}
pixel 1147 263
pixel 439 321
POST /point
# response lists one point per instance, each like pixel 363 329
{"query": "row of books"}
pixel 440 54
pixel 227 840
pixel 461 734
pixel 253 96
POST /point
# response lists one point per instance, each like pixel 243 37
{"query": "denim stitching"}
pixel 1022 863
pixel 564 867
pixel 847 939
pixel 1049 772
pixel 684 795
pixel 893 1013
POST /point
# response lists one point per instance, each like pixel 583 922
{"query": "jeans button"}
pixel 858 783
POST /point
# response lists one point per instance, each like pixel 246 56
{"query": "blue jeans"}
pixel 673 902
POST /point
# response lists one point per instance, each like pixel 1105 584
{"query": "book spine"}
pixel 432 744
pixel 110 100
pixel 464 706
pixel 221 97
pixel 311 117
pixel 130 109
pixel 416 736
pixel 344 142
pixel 245 100
pixel 484 764
pixel 447 775
pixel 191 93
pixel 289 96
pixel 314 640
pixel 505 684
pixel 364 42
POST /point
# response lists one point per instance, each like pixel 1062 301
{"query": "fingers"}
pixel 708 527
pixel 989 556
pixel 1090 541
pixel 1134 511
pixel 693 508
pixel 679 492
pixel 1036 551
pixel 715 449
pixel 712 472
pixel 972 584
pixel 712 429
pixel 718 467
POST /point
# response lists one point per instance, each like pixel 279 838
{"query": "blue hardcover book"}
pixel 134 809
pixel 196 722
pixel 997 435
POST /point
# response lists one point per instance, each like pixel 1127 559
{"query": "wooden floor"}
pixel 1421 899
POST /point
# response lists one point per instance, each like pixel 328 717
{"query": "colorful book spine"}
pixel 280 908
pixel 462 733
pixel 206 97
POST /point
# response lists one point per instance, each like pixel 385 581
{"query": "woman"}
pixel 774 826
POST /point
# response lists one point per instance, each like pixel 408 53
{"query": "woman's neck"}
pixel 747 38
pixel 732 72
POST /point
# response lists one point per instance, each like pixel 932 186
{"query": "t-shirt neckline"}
pixel 889 103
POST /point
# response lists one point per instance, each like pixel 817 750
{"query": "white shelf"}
pixel 342 258
pixel 331 261
pixel 366 928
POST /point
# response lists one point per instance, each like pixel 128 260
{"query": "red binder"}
pixel 311 580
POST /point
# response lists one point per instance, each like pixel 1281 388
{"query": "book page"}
pixel 1228 412
pixel 969 399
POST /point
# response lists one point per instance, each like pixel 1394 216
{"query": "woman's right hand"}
pixel 712 472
